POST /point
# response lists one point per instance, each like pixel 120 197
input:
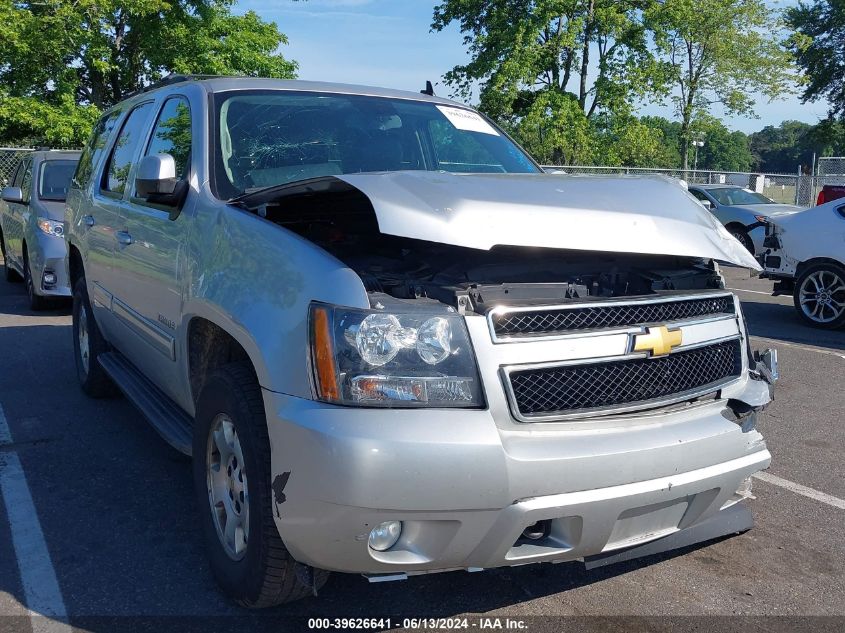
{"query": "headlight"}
pixel 376 358
pixel 51 227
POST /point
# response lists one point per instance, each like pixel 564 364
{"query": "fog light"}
pixel 49 279
pixel 538 530
pixel 385 535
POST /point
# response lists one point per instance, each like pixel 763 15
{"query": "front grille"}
pixel 575 388
pixel 547 321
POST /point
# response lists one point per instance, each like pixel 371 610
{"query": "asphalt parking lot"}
pixel 115 506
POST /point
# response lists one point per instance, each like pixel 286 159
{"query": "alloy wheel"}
pixel 228 493
pixel 822 296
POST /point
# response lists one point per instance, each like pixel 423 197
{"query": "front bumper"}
pixel 48 254
pixel 465 489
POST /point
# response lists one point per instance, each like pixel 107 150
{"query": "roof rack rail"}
pixel 174 78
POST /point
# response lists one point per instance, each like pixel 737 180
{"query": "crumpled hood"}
pixel 620 214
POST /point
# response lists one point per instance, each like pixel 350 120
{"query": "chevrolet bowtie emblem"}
pixel 658 341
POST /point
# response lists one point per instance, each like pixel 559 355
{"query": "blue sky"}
pixel 389 43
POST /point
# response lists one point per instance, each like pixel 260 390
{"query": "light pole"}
pixel 697 144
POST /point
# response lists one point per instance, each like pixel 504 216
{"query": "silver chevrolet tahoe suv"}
pixel 393 345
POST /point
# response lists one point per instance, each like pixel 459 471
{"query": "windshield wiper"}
pixel 255 197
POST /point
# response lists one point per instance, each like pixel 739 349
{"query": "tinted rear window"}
pixel 54 181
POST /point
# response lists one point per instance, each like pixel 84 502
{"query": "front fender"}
pixel 256 281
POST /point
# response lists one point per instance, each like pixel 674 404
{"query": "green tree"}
pixel 554 130
pixel 718 51
pixel 32 121
pixel 723 150
pixel 60 61
pixel 781 148
pixel 827 138
pixel 627 141
pixel 548 61
pixel 793 144
pixel 671 134
pixel 819 47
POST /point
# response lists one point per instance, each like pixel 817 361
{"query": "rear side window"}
pixel 54 179
pixel 116 173
pixel 94 149
pixel 172 134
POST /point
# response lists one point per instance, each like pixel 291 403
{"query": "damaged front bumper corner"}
pixel 766 366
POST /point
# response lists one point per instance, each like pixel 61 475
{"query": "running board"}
pixel 173 424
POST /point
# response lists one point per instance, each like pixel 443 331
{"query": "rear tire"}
pixel 88 344
pixel 819 295
pixel 37 303
pixel 231 456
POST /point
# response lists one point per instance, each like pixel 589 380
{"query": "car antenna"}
pixel 429 89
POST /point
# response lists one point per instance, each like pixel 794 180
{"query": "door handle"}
pixel 123 238
pixel 88 220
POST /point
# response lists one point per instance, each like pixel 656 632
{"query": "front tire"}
pixel 88 344
pixel 232 475
pixel 37 303
pixel 743 238
pixel 819 295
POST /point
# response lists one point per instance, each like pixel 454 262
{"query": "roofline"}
pixel 222 83
pixel 56 153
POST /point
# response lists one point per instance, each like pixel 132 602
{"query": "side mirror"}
pixel 13 194
pixel 156 175
pixel 707 204
pixel 156 182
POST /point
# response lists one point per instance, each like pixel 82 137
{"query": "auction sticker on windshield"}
pixel 467 120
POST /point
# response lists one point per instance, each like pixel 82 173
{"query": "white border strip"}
pixel 811 493
pixel 806 348
pixel 38 577
pixel 756 292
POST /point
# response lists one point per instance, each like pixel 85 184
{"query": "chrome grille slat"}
pixel 548 321
pixel 578 388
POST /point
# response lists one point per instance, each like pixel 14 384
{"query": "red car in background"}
pixel 830 192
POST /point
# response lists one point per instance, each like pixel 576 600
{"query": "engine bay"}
pixel 472 280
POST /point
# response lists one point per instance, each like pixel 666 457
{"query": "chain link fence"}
pixel 784 188
pixel 9 157
pixel 830 170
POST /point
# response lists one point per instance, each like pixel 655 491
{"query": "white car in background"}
pixel 805 255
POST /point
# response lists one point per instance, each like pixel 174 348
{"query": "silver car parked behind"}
pixel 32 226
pixel 742 211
